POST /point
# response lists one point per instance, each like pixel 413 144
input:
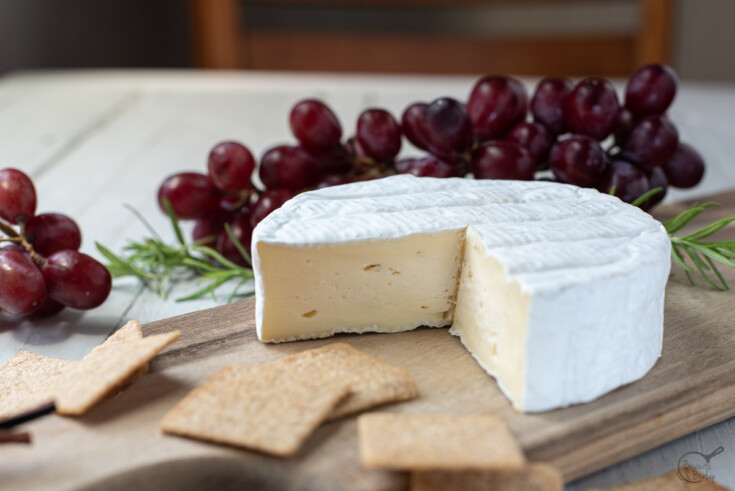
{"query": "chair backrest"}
pixel 223 40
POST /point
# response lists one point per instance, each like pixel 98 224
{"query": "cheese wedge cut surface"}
pixel 557 291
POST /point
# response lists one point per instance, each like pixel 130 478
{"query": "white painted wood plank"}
pixel 37 123
pixel 240 81
pixel 98 177
pixel 717 102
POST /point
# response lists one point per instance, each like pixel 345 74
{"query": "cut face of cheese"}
pixel 387 286
pixel 556 291
pixel 491 316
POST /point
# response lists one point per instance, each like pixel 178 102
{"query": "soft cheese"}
pixel 556 291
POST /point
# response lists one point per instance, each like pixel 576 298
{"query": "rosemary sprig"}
pixel 703 255
pixel 158 265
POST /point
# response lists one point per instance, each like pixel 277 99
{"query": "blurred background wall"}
pixel 38 34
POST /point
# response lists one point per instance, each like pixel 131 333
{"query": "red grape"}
pixel 577 160
pixel 48 308
pixel 243 232
pixel 412 124
pixel 495 104
pixel 209 226
pixel 502 160
pixel 622 127
pixel 379 134
pixel 14 246
pixel 51 232
pixel 403 165
pixel 534 137
pixel 592 108
pixel 334 161
pixel 354 148
pixel 315 126
pixel 650 90
pixel 17 196
pixel 651 142
pixel 685 168
pixel 76 280
pixel 447 127
pixel 547 104
pixel 228 202
pixel 656 179
pixel 329 180
pixel 629 181
pixel 288 167
pixel 429 166
pixel 22 289
pixel 267 203
pixel 231 166
pixel 191 195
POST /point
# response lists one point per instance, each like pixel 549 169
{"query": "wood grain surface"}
pixel 117 445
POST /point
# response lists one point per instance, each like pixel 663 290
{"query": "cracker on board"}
pixel 266 408
pixel 533 477
pixel 436 442
pixel 691 479
pixel 106 369
pixel 24 382
pixel 372 381
pixel 28 381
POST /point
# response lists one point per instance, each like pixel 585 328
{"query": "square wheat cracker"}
pixel 24 382
pixel 105 369
pixel 533 477
pixel 265 408
pixel 436 442
pixel 372 381
pixel 28 380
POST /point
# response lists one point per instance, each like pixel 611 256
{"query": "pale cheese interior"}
pixel 491 317
pixel 395 285
pixel 386 286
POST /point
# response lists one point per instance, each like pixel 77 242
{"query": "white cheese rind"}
pixel 594 268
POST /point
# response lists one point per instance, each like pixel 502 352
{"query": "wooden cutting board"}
pixel 117 444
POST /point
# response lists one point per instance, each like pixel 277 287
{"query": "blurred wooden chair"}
pixel 221 41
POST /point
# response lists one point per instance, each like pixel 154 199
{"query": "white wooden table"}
pixel 93 141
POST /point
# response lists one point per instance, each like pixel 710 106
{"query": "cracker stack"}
pixel 273 408
pixel 451 452
pixel 29 381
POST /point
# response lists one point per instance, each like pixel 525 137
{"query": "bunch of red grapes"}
pixel 571 133
pixel 41 268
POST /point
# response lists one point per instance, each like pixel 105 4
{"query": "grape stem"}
pixel 243 198
pixel 22 239
pixel 8 230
